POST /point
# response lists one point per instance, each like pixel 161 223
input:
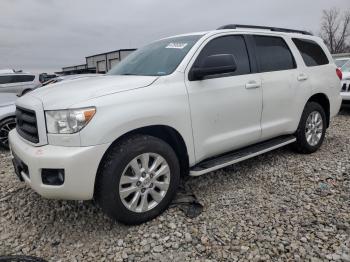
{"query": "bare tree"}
pixel 335 30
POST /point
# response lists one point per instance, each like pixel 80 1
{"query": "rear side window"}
pixel 5 79
pixel 311 52
pixel 22 78
pixel 234 45
pixel 10 79
pixel 273 54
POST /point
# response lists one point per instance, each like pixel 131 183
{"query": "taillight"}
pixel 339 73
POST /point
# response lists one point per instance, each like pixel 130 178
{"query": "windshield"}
pixel 346 67
pixel 341 62
pixel 156 59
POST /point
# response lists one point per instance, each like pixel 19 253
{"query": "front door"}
pixel 225 109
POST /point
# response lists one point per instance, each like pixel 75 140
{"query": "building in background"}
pixel 99 63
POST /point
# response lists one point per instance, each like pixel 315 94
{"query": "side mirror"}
pixel 213 65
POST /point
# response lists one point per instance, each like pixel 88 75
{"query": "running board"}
pixel 234 157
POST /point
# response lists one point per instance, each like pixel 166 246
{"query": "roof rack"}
pixel 274 29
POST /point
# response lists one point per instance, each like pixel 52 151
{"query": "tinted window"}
pixel 234 45
pixel 22 78
pixel 16 79
pixel 311 52
pixel 273 54
pixel 5 79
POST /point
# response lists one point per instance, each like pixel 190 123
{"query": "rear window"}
pixel 311 52
pixel 273 54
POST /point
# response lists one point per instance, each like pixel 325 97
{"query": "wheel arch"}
pixel 167 134
pixel 7 117
pixel 323 100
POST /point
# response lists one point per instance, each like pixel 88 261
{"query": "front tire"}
pixel 138 179
pixel 5 127
pixel 312 129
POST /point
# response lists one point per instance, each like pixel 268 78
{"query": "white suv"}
pixel 184 105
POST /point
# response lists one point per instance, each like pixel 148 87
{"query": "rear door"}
pixel 282 91
pixel 225 108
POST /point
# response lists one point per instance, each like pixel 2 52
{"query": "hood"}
pixel 64 94
pixel 7 99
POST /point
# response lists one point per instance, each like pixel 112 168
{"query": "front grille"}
pixel 27 125
pixel 345 87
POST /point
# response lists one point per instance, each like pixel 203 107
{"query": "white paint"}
pixel 213 116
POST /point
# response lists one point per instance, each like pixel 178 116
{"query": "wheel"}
pixel 5 127
pixel 138 179
pixel 311 130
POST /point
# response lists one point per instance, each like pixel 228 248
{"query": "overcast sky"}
pixel 45 35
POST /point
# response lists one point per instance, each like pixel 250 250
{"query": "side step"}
pixel 236 156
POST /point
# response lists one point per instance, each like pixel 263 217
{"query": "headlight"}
pixel 68 121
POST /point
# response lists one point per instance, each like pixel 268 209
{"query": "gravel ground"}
pixel 279 206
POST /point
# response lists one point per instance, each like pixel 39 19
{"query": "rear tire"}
pixel 138 179
pixel 311 130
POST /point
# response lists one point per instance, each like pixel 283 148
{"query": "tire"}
pixel 5 127
pixel 119 167
pixel 304 143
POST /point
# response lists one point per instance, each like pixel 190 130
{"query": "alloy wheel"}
pixel 4 131
pixel 314 128
pixel 144 182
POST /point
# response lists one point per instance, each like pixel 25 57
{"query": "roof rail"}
pixel 274 29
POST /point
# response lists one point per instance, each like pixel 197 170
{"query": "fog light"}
pixel 53 177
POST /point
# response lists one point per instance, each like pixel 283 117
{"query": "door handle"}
pixel 252 85
pixel 302 77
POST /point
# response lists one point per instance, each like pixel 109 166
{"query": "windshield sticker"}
pixel 176 45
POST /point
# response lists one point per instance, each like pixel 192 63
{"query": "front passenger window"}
pixel 233 45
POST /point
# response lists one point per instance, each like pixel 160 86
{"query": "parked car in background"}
pixel 44 77
pixel 345 83
pixel 68 77
pixel 183 105
pixel 341 61
pixel 18 82
pixel 7 116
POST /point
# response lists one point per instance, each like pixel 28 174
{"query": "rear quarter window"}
pixel 312 53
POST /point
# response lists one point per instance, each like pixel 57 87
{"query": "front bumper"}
pixel 79 163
